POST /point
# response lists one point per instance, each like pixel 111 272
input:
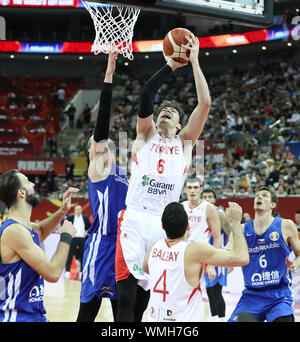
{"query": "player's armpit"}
pixel 20 240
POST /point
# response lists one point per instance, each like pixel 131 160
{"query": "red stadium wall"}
pixel 287 206
pixel 48 207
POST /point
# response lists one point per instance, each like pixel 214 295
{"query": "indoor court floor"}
pixel 62 303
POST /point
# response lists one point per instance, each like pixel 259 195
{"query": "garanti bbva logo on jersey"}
pixel 156 188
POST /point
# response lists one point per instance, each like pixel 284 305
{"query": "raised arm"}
pixel 19 240
pixel 46 226
pixel 214 224
pixel 204 253
pixel 199 115
pixel 99 154
pixel 225 224
pixel 145 123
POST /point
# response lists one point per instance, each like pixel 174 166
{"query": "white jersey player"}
pixel 160 159
pixel 203 217
pixel 176 268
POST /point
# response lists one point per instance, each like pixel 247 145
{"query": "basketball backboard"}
pixel 256 13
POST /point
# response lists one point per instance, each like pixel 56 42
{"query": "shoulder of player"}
pixel 211 209
pixel 288 225
pixel 196 249
pixel 16 232
pixel 144 137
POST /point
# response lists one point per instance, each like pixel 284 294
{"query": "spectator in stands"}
pixel 71 114
pixel 31 106
pixel 82 224
pixel 13 106
pixel 51 179
pixel 23 140
pixel 44 189
pixel 69 168
pixel 65 123
pixel 61 93
pixel 52 146
pixel 86 114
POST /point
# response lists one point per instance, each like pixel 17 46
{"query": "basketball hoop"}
pixel 114 28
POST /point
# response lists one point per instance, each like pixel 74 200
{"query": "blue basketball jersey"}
pixel 21 288
pixel 107 199
pixel 267 268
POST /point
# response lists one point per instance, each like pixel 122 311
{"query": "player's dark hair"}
pixel 173 104
pixel 9 185
pixel 274 198
pixel 192 180
pixel 208 191
pixel 174 220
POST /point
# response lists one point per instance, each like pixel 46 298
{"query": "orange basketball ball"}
pixel 172 44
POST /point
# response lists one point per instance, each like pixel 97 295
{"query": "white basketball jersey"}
pixel 199 229
pixel 172 298
pixel 158 172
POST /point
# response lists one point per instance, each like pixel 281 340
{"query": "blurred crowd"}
pixel 251 135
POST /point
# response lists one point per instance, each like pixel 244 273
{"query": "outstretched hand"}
pixel 174 64
pixel 291 265
pixel 111 63
pixel 234 212
pixel 67 197
pixel 193 45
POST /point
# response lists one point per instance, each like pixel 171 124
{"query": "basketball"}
pixel 172 44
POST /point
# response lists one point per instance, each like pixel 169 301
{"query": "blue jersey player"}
pixel 268 276
pixel 107 192
pixel 23 264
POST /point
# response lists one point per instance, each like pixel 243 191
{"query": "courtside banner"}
pixel 40 3
pixel 46 3
pixel 33 166
pixel 219 41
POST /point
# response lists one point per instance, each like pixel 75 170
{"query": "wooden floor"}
pixel 62 303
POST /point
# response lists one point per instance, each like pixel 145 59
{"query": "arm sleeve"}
pixel 103 119
pixel 150 89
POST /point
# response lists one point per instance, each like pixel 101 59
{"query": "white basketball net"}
pixel 114 31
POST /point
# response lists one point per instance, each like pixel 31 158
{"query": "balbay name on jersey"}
pixel 172 298
pixel 164 255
